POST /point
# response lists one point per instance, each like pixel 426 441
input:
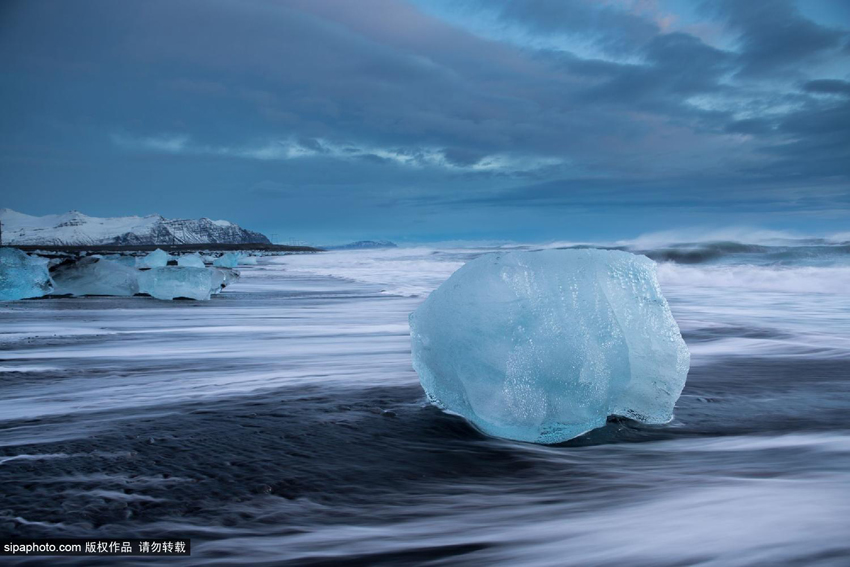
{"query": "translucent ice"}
pixel 248 261
pixel 221 278
pixel 22 276
pixel 96 276
pixel 156 259
pixel 228 260
pixel 123 259
pixel 543 346
pixel 191 260
pixel 171 282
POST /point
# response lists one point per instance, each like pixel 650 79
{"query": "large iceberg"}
pixel 22 276
pixel 96 276
pixel 171 282
pixel 544 346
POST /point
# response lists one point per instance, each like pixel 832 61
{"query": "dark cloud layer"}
pixel 338 119
pixel 776 38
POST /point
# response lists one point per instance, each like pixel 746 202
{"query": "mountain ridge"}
pixel 75 228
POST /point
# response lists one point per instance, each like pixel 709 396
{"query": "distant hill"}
pixel 76 229
pixel 363 245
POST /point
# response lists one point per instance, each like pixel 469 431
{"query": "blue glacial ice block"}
pixel 156 259
pixel 22 276
pixel 123 259
pixel 191 260
pixel 544 346
pixel 96 276
pixel 221 278
pixel 172 282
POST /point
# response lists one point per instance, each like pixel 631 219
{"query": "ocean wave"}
pixel 798 279
pixel 808 267
pixel 755 254
pixel 398 271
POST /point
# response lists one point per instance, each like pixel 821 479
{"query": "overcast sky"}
pixel 431 120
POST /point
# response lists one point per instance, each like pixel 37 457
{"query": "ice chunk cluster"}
pixel 96 276
pixel 22 276
pixel 544 346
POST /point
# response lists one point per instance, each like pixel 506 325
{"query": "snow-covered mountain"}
pixel 75 228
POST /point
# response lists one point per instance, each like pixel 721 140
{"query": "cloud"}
pixel 165 143
pixel 828 86
pixel 612 30
pixel 774 37
pixel 387 83
pixel 293 149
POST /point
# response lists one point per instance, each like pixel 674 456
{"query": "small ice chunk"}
pixel 544 346
pixel 221 278
pixel 96 276
pixel 217 280
pixel 248 261
pixel 171 282
pixel 191 261
pixel 22 276
pixel 156 259
pixel 228 260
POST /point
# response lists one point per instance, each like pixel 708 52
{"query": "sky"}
pixel 431 120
